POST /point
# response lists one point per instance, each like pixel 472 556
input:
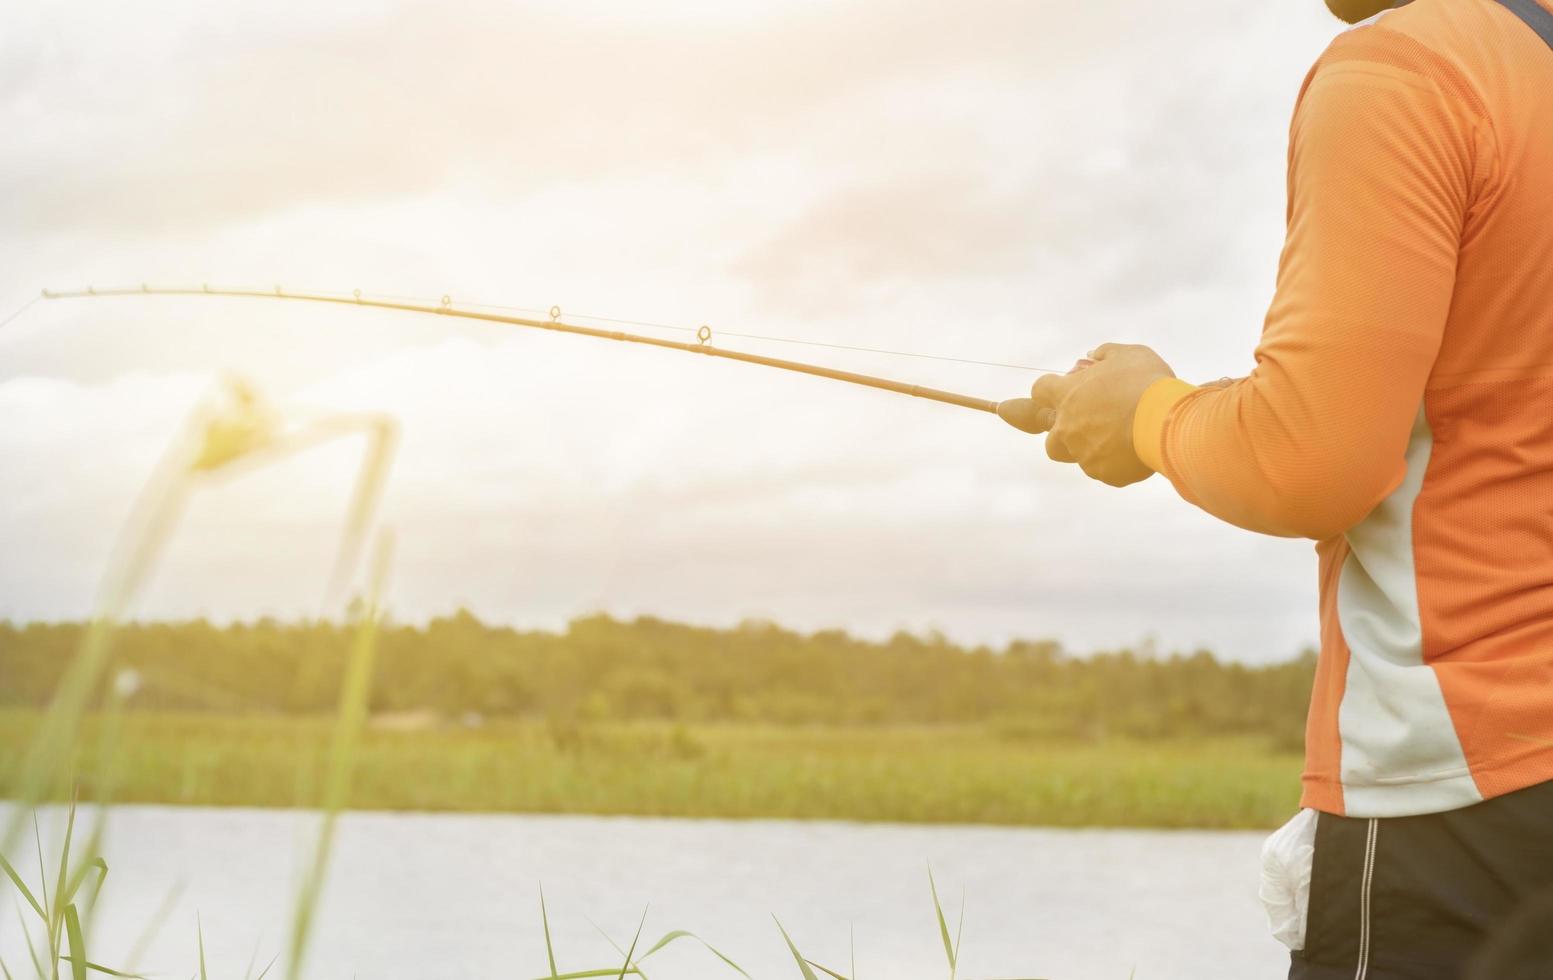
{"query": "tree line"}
pixel 462 669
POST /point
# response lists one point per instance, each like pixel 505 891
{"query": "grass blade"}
pixel 959 931
pixel 31 949
pixel 632 951
pixel 61 900
pixel 107 970
pixel 803 964
pixel 265 972
pixel 252 959
pixel 544 917
pixel 382 438
pixel 199 930
pixel 154 925
pixel 943 927
pixel 63 881
pixel 350 720
pixel 138 544
pixel 827 970
pixel 682 934
pixel 79 878
pixel 617 947
pixel 77 943
pixel 21 886
pixel 43 874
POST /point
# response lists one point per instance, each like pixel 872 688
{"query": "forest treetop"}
pixel 601 667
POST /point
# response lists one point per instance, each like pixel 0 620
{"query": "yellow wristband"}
pixel 1148 420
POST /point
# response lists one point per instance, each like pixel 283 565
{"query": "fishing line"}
pixel 702 343
pixel 793 340
pixel 19 311
pixel 894 353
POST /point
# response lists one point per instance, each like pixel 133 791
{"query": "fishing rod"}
pixel 1014 411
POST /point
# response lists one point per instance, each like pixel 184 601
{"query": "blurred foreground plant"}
pixel 233 429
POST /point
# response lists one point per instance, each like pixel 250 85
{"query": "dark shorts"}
pixel 1420 898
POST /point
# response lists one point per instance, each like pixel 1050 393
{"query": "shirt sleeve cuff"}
pixel 1148 420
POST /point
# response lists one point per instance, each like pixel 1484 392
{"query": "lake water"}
pixel 453 897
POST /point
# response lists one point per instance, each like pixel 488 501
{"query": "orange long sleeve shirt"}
pixel 1401 408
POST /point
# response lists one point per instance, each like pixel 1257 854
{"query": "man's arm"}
pixel 1380 169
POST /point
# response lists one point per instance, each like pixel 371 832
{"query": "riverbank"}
pixel 947 774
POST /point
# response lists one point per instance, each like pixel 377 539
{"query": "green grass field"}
pixel 939 774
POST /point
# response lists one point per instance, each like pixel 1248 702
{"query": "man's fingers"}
pixel 1026 416
pixel 1106 350
pixel 1050 389
pixel 1115 475
pixel 1100 472
pixel 1058 450
pixel 1063 444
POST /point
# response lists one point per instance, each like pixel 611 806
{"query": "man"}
pixel 1400 413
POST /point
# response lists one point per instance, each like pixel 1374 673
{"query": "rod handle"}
pixel 1023 415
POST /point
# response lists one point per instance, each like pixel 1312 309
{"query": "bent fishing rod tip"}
pixel 1018 412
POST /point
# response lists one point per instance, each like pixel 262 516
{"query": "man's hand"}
pixel 1088 411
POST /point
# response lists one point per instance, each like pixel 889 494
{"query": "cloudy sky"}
pixel 1012 181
